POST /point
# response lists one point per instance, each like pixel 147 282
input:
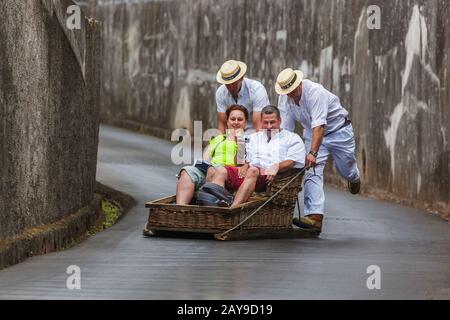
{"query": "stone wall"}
pixel 49 106
pixel 162 57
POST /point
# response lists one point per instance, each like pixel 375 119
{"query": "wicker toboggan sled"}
pixel 264 216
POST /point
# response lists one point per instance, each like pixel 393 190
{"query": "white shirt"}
pixel 253 96
pixel 318 107
pixel 283 146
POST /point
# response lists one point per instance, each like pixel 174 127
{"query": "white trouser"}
pixel 341 146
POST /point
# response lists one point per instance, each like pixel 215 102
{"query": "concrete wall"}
pixel 49 109
pixel 162 56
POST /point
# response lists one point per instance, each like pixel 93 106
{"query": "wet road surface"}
pixel 411 247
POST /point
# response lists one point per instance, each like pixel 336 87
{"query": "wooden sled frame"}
pixel 238 235
pixel 266 216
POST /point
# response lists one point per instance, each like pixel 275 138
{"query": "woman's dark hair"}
pixel 235 107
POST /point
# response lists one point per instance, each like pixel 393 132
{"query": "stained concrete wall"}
pixel 162 56
pixel 49 120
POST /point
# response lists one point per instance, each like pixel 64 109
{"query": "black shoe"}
pixel 224 204
pixel 354 187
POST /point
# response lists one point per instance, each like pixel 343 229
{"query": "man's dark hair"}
pixel 235 107
pixel 271 110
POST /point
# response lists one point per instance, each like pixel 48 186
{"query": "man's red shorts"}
pixel 234 182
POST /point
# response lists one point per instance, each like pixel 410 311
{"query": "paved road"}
pixel 411 247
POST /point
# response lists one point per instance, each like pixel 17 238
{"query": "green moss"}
pixel 112 213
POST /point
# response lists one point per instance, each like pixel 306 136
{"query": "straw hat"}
pixel 288 80
pixel 231 71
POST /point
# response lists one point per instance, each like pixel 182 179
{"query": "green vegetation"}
pixel 112 212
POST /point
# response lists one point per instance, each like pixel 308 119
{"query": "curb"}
pixel 64 233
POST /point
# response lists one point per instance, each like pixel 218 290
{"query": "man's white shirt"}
pixel 318 107
pixel 253 96
pixel 283 146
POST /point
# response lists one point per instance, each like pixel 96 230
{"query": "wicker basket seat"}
pixel 165 215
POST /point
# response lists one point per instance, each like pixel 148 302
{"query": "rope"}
pixel 222 235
